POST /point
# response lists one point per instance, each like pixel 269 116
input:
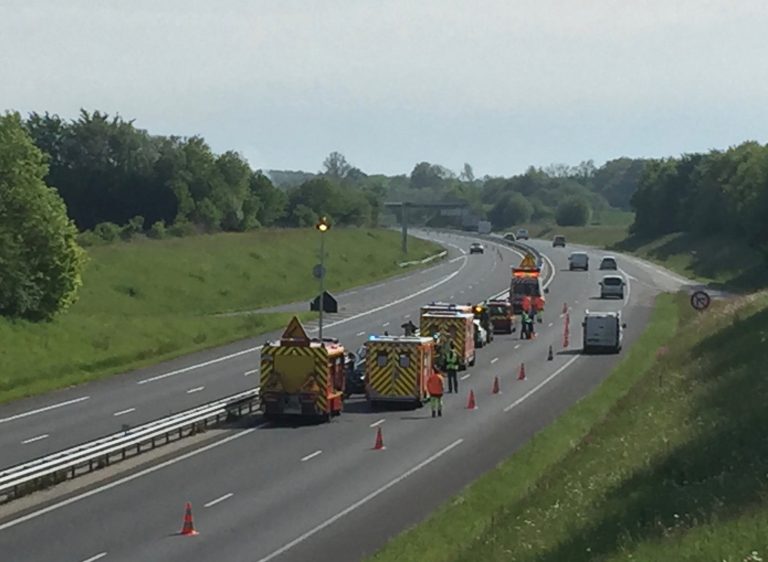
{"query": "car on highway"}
pixel 522 234
pixel 603 331
pixel 476 248
pixel 481 334
pixel 578 260
pixel 558 241
pixel 612 286
pixel 608 263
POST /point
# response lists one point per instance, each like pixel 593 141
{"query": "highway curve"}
pixel 318 492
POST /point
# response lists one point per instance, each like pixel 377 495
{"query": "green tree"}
pixel 39 255
pixel 573 211
pixel 511 209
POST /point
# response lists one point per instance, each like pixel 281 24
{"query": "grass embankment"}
pixel 607 229
pixel 147 301
pixel 667 460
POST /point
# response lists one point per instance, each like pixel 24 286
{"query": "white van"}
pixel 603 331
pixel 578 260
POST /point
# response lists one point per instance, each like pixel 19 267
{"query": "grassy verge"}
pixel 476 511
pixel 147 301
pixel 606 229
pixel 675 469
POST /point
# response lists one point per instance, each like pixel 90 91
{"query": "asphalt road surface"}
pixel 37 426
pixel 318 492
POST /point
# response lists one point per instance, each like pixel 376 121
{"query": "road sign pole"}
pixel 322 285
pixel 404 220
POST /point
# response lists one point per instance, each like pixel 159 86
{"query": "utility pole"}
pixel 322 225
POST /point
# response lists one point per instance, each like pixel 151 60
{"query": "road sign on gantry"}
pixel 700 300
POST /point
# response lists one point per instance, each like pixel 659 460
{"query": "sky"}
pixel 499 84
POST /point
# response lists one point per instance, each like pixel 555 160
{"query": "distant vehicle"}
pixel 608 262
pixel 522 234
pixel 510 236
pixel 502 316
pixel 603 331
pixel 612 286
pixel 484 227
pixel 476 248
pixel 578 260
pixel 481 334
pixel 558 240
pixel 355 375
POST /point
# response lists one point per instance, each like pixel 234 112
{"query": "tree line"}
pixel 714 193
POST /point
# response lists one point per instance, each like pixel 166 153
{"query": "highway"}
pixel 45 424
pixel 318 492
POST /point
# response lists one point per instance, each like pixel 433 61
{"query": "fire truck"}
pixel 502 317
pixel 397 369
pixel 302 376
pixel 453 327
pixel 526 282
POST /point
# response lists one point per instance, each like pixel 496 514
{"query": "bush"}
pixel 89 238
pixel 107 231
pixel 182 228
pixel 134 226
pixel 573 211
pixel 157 231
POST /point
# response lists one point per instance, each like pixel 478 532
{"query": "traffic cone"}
pixel 521 374
pixel 565 308
pixel 188 530
pixel 471 405
pixel 379 446
pixel 496 389
pixel 550 355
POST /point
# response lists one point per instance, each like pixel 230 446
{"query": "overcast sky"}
pixel 500 84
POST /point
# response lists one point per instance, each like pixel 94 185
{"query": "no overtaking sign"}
pixel 700 300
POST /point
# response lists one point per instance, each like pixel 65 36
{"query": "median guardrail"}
pixel 52 469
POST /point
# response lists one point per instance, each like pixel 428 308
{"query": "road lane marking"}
pixel 494 360
pixel 451 297
pixel 123 412
pixel 350 293
pixel 130 478
pixel 45 409
pixel 360 502
pixel 329 325
pixel 311 456
pixel 33 439
pixel 196 389
pixel 218 500
pixel 251 372
pixel 360 334
pixel 374 424
pixel 517 346
pixel 550 324
pixel 99 556
pixel 385 324
pixel 465 377
pixel 407 316
pixel 539 386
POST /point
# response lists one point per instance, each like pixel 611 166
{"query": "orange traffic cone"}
pixel 550 355
pixel 471 405
pixel 565 308
pixel 379 446
pixel 496 389
pixel 521 374
pixel 188 530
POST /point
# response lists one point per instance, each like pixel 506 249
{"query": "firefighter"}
pixel 526 326
pixel 435 389
pixel 452 368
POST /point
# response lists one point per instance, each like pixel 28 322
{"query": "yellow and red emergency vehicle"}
pixel 526 286
pixel 453 327
pixel 302 376
pixel 397 369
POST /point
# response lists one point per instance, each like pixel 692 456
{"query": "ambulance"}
pixel 397 369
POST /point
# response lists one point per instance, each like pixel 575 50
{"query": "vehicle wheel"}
pixel 570 268
pixel 472 361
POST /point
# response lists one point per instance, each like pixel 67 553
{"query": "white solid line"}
pixel 41 410
pixel 218 500
pixel 374 424
pixel 251 372
pixel 97 557
pixel 540 385
pixel 311 456
pixel 517 346
pixel 360 334
pixel 121 412
pixel 494 360
pixel 451 297
pixel 33 439
pixel 385 324
pixel 465 377
pixel 125 480
pixel 550 324
pixel 350 293
pixel 457 259
pixel 376 286
pixel 361 502
pixel 407 316
pixel 196 389
pixel 329 325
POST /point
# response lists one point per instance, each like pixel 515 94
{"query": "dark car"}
pixel 355 374
pixel 476 248
pixel 558 241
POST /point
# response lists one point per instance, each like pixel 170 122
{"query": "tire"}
pixel 472 361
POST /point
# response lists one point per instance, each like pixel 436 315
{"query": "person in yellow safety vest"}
pixel 526 329
pixel 452 368
pixel 435 390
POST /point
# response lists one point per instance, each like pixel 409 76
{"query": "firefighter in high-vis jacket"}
pixel 435 389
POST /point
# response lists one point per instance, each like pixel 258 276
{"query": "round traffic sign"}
pixel 700 300
pixel 318 271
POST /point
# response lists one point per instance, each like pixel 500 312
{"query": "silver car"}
pixel 612 286
pixel 609 262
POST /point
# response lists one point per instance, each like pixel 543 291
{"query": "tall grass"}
pixel 146 301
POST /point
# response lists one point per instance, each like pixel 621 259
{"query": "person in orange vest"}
pixel 526 304
pixel 435 389
pixel 538 304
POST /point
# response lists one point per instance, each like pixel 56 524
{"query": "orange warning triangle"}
pixel 529 262
pixel 295 331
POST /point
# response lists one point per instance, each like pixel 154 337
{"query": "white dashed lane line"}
pixel 99 556
pixel 41 410
pixel 34 439
pixel 251 372
pixel 381 421
pixel 311 456
pixel 196 389
pixel 219 500
pixel 123 412
pixel 360 334
pixel 465 377
pixel 494 360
